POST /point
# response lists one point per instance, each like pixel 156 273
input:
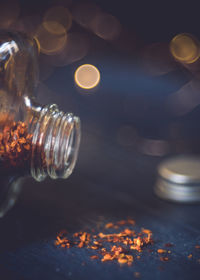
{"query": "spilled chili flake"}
pixel 123 243
pixel 161 251
pixel 164 259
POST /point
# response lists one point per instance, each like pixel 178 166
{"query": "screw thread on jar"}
pixel 55 144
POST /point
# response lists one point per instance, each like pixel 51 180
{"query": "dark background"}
pixel 128 127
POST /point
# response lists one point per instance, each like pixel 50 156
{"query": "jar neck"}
pixel 55 142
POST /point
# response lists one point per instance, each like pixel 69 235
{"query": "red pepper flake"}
pixel 189 256
pixel 164 259
pixel 122 260
pixel 94 257
pixel 15 145
pixel 161 251
pixel 122 242
pixel 109 225
pixel 107 257
pixel 197 246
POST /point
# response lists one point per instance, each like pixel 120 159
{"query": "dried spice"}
pixel 94 257
pixel 15 145
pixel 197 247
pixel 164 259
pixel 123 242
pixel 161 251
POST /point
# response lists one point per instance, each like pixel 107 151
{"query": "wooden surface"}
pixel 115 183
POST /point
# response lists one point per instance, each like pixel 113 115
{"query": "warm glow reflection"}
pixel 184 100
pixel 185 48
pixel 87 76
pixel 84 13
pixel 50 43
pixel 56 18
pixel 154 147
pixel 76 48
pixel 106 26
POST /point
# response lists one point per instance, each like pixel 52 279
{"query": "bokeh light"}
pixel 84 13
pixel 185 48
pixel 50 43
pixel 106 26
pixel 56 18
pixel 157 60
pixel 76 47
pixel 87 76
pixel 154 147
pixel 185 99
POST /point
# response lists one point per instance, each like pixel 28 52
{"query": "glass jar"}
pixel 35 140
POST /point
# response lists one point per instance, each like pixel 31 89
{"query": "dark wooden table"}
pixel 109 183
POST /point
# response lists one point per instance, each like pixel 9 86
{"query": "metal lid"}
pixel 179 179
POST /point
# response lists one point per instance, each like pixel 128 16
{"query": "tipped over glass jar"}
pixel 35 140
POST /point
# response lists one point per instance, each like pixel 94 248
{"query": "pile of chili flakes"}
pixel 122 243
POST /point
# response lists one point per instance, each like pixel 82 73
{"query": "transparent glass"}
pixel 35 140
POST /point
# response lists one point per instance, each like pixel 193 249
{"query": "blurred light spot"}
pixel 84 13
pixel 87 76
pixel 154 147
pixel 185 99
pixel 185 48
pixel 127 136
pixel 50 43
pixel 106 26
pixel 9 12
pixel 56 18
pixel 156 59
pixel 76 48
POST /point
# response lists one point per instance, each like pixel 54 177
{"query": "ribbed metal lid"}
pixel 179 179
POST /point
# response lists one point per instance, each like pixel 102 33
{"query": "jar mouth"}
pixel 55 144
pixel 67 153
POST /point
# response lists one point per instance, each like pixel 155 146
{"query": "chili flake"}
pixel 164 259
pixel 95 257
pixel 123 242
pixel 15 145
pixel 161 251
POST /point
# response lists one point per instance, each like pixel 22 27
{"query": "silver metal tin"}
pixel 179 179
